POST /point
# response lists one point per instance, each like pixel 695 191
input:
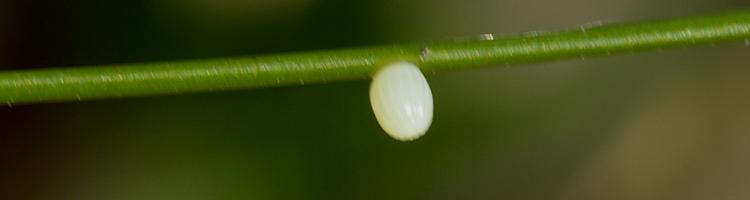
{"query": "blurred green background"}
pixel 666 124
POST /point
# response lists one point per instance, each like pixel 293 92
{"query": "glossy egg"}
pixel 402 101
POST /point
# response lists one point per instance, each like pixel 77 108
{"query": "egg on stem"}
pixel 402 101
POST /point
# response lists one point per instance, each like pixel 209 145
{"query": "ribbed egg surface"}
pixel 402 101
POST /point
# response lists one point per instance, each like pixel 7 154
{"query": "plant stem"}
pixel 112 81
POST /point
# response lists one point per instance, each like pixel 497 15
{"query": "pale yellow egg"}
pixel 402 101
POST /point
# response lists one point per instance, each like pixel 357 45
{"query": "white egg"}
pixel 402 101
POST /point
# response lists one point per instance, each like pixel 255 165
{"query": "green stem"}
pixel 111 81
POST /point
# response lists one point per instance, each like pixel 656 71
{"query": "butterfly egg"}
pixel 402 101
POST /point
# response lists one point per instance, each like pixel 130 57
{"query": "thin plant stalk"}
pixel 128 80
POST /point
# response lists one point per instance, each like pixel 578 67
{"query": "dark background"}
pixel 666 124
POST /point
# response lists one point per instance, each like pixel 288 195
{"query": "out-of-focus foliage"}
pixel 659 125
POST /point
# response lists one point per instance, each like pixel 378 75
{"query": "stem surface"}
pixel 124 80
